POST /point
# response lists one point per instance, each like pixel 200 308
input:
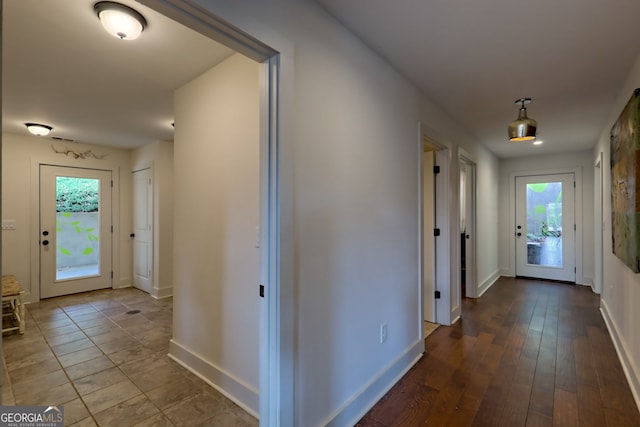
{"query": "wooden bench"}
pixel 12 304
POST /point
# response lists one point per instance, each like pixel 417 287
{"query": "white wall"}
pixel 620 296
pixel 582 161
pixel 216 198
pixel 19 154
pixel 349 177
pixel 160 155
pixel 487 219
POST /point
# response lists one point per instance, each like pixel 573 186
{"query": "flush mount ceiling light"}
pixel 38 129
pixel 119 20
pixel 523 128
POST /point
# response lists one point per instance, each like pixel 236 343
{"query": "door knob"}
pixel 45 233
pixel 519 234
pixel 45 242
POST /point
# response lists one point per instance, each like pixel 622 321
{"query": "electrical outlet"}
pixel 384 331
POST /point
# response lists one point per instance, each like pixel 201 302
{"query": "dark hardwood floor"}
pixel 527 353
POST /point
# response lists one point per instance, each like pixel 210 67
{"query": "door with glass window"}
pixel 545 227
pixel 75 230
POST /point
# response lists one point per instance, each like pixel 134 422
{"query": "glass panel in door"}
pixel 544 223
pixel 77 227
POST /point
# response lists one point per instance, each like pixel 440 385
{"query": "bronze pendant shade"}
pixel 523 128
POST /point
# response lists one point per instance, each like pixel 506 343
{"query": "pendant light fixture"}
pixel 38 129
pixel 523 128
pixel 119 20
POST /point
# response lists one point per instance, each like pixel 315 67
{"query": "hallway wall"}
pixel 620 296
pixel 216 200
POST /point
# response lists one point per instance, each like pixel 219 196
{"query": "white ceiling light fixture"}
pixel 38 129
pixel 523 128
pixel 119 20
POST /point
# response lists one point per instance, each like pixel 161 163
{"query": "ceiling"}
pixel 61 68
pixel 471 58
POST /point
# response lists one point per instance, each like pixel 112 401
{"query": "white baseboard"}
pixel 161 293
pixel 242 394
pixel 362 401
pixel 488 282
pixel 628 364
pixel 123 282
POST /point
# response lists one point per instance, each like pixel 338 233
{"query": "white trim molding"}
pixel 631 371
pixel 363 400
pixel 235 389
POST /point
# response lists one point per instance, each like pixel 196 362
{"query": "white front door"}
pixel 75 230
pixel 142 229
pixel 545 227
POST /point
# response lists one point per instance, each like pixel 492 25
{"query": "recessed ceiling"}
pixel 61 68
pixel 474 58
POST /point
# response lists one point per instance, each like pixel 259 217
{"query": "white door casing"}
pixel 56 277
pixel 143 229
pixel 428 239
pixel 470 207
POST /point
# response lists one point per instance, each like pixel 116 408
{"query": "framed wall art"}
pixel 625 183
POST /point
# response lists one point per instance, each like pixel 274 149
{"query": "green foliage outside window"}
pixel 77 194
pixel 74 198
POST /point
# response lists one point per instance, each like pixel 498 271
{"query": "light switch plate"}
pixel 8 224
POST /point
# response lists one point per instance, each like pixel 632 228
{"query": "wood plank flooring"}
pixel 528 353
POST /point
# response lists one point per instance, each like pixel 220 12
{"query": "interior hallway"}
pixel 103 356
pixel 527 353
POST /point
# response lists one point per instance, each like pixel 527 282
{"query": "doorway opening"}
pixel 436 278
pixel 467 233
pixel 275 377
pixel 275 373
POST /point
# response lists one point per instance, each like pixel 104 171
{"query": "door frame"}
pixel 598 245
pixel 50 285
pixel 471 203
pixel 577 171
pixel 446 275
pixel 277 307
pixel 34 220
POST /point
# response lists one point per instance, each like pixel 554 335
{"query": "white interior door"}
pixel 428 239
pixel 143 229
pixel 75 230
pixel 545 227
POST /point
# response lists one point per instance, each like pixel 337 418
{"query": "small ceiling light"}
pixel 523 128
pixel 537 142
pixel 119 20
pixel 38 129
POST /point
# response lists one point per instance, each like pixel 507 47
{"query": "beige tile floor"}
pixel 103 356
